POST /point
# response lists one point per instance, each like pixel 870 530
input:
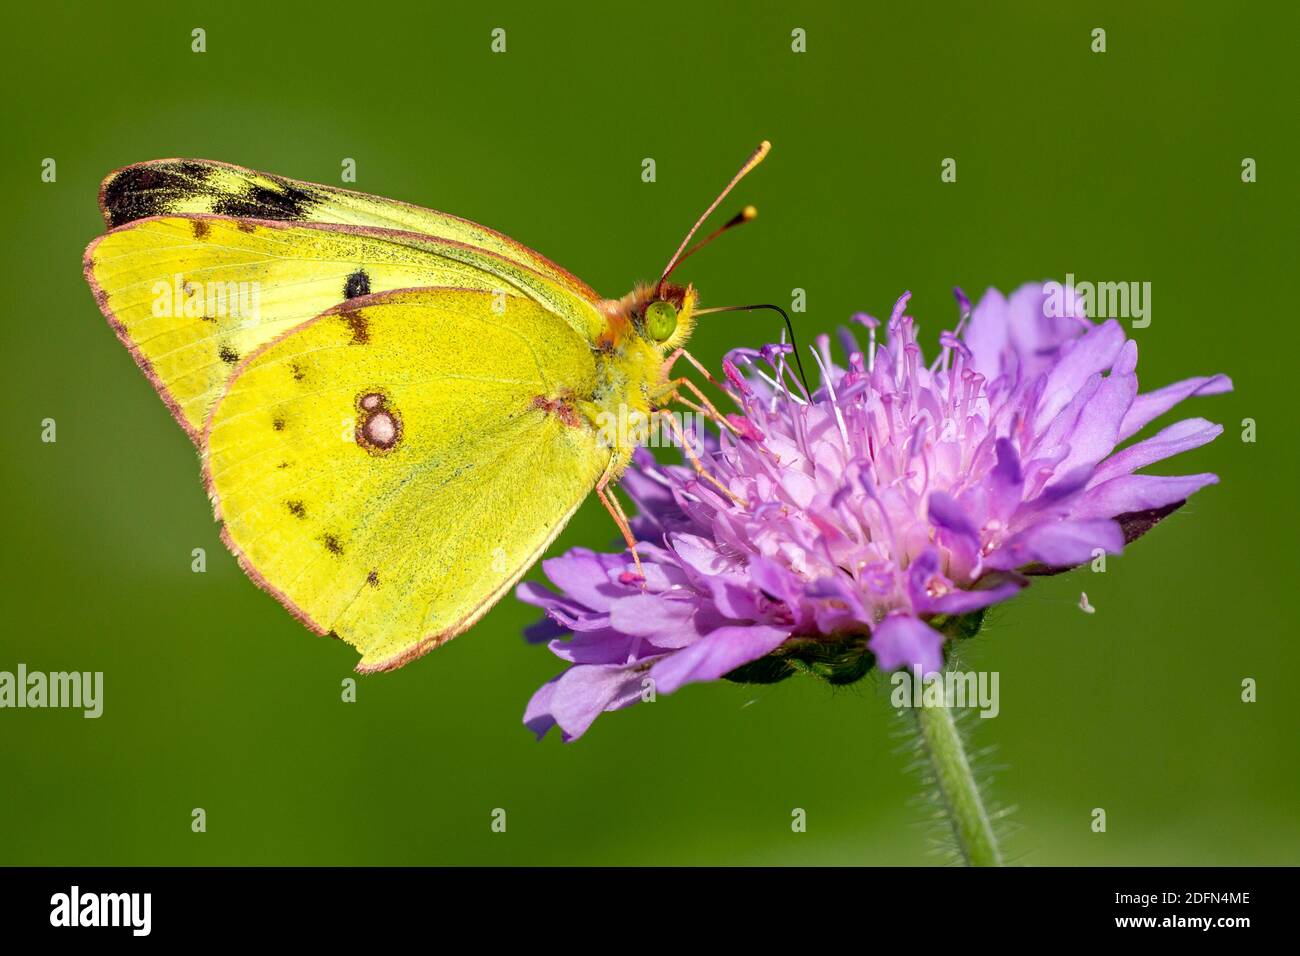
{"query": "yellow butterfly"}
pixel 397 409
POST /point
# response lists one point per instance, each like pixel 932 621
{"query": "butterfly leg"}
pixel 680 433
pixel 673 386
pixel 705 407
pixel 615 509
pixel 720 421
pixel 699 367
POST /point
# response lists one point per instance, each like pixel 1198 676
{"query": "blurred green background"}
pixel 1117 166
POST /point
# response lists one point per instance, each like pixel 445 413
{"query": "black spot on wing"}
pixel 281 201
pixel 228 355
pixel 332 544
pixel 296 508
pixel 152 189
pixel 358 284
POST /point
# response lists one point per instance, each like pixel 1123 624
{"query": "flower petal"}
pixel 1096 351
pixel 923 577
pixel 605 646
pixel 963 602
pixel 1058 544
pixel 699 554
pixel 957 532
pixel 987 333
pixel 717 653
pixel 1147 407
pixel 837 606
pixel 537 715
pixel 580 574
pixel 1179 437
pixel 733 596
pixel 901 640
pixel 668 622
pixel 945 513
pixel 1097 430
pixel 543 630
pixel 566 615
pixel 530 592
pixel 1130 493
pixel 585 691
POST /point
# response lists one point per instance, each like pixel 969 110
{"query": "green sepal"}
pixel 958 626
pixel 845 660
pixel 842 661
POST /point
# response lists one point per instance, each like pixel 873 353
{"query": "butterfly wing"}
pixel 388 470
pixel 169 186
pixel 190 295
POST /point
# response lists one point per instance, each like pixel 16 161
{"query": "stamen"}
pixel 830 391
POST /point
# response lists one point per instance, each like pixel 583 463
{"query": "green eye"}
pixel 660 320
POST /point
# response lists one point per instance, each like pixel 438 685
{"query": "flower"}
pixel 878 517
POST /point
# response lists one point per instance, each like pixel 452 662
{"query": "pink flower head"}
pixel 880 516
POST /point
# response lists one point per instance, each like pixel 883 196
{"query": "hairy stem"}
pixel 961 795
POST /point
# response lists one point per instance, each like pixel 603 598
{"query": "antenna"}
pixel 756 157
pixel 748 214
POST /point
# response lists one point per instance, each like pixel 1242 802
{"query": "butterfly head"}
pixel 665 315
pixel 660 316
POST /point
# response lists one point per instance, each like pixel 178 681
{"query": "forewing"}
pixel 168 186
pixel 391 468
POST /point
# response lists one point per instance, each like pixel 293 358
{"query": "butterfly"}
pixel 397 410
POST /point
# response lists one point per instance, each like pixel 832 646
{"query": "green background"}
pixel 1117 166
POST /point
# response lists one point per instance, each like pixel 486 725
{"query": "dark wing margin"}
pixel 179 187
pixel 166 186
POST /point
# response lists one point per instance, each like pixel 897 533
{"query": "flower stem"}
pixel 961 794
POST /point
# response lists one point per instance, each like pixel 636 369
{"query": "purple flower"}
pixel 881 515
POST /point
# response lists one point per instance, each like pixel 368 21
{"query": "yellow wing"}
pixel 169 186
pixel 388 470
pixel 190 295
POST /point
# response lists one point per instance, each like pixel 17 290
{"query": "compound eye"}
pixel 660 320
